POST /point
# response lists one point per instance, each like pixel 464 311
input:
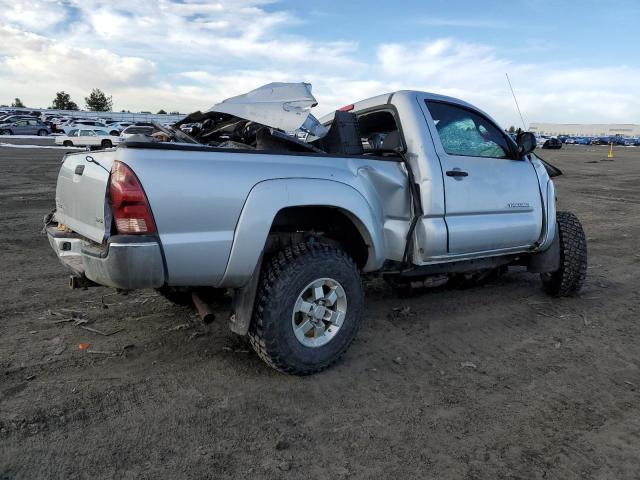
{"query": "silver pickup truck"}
pixel 415 187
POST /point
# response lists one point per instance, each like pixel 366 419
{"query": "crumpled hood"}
pixel 285 106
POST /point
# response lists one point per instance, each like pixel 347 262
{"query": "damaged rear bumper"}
pixel 127 262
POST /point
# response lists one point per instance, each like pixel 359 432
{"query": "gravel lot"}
pixel 490 382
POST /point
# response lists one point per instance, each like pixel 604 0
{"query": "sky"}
pixel 568 61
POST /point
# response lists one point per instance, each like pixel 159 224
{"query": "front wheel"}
pixel 6 132
pixel 67 143
pixel 42 133
pixel 106 144
pixel 569 278
pixel 308 308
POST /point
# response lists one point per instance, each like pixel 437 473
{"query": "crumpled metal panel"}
pixel 285 106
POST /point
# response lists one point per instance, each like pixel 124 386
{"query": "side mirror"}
pixel 526 142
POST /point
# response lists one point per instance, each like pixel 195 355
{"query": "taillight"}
pixel 347 108
pixel 130 207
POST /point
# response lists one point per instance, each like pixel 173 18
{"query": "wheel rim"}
pixel 319 312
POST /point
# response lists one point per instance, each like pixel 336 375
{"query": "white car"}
pixel 87 138
pixel 92 124
pixel 116 128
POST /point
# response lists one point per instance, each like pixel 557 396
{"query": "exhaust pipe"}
pixel 204 310
pixel 76 282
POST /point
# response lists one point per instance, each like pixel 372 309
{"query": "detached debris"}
pixel 401 312
pixel 99 332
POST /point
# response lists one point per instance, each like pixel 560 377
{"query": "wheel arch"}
pixel 271 204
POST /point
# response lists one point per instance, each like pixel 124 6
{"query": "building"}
pixel 586 129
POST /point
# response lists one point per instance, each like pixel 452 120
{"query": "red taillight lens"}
pixel 347 108
pixel 129 204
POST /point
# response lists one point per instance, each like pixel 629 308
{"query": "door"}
pixel 492 197
pixel 87 137
pixel 32 127
pixel 20 128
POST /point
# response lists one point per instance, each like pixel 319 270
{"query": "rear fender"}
pixel 267 198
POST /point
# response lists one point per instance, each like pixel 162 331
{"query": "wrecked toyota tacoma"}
pixel 288 213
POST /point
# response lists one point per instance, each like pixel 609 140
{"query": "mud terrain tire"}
pixel 285 279
pixel 568 279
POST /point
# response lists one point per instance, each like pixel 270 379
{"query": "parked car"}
pixel 291 226
pixel 12 118
pixel 87 138
pixel 552 143
pixel 25 127
pixel 136 130
pixel 583 141
pixel 570 140
pixel 115 128
pixel 84 124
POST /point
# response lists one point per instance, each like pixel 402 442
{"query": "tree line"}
pixel 97 101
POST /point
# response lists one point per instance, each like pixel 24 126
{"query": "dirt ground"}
pixel 491 382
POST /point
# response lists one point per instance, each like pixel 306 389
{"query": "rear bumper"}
pixel 128 262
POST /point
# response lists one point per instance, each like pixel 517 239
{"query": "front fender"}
pixel 548 194
pixel 267 198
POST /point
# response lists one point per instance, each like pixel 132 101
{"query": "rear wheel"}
pixel 308 308
pixel 42 133
pixel 569 278
pixel 6 132
pixel 67 143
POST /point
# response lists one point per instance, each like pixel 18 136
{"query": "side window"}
pixel 465 132
pixel 87 133
pixel 379 131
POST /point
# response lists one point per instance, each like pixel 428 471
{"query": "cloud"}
pixel 35 15
pixel 545 91
pixel 191 54
pixel 27 55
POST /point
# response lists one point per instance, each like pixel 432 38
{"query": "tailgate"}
pixel 82 191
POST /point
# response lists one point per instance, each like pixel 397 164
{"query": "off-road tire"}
pixel 283 277
pixel 568 279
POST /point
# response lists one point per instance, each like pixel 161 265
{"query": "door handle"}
pixel 457 174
